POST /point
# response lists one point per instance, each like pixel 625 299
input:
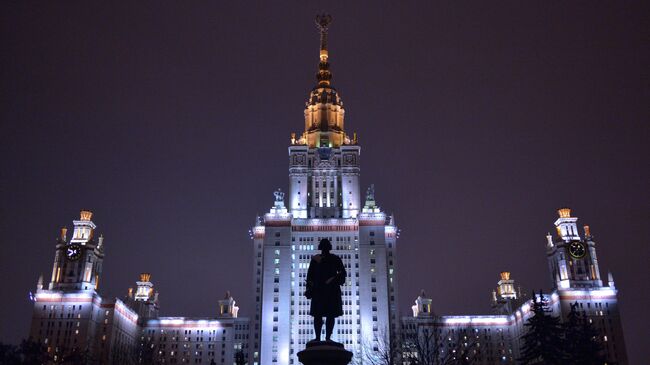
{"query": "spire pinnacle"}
pixel 324 75
pixel 324 113
pixel 323 22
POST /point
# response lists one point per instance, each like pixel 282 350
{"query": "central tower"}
pixel 324 161
pixel 324 201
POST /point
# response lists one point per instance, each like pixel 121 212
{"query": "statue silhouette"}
pixel 325 276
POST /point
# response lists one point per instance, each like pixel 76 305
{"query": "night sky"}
pixel 171 121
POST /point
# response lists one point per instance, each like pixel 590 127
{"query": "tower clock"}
pixel 78 262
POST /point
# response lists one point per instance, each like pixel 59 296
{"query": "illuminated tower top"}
pixel 506 286
pixel 567 229
pixel 78 261
pixel 145 299
pixel 324 161
pixel 145 288
pixel 422 307
pixel 84 228
pixel 505 299
pixel 572 258
pixel 228 307
pixel 324 111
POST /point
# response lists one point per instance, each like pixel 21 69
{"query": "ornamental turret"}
pixel 506 297
pixel 145 299
pixel 228 307
pixel 610 280
pixel 39 283
pixel 566 226
pixel 422 307
pixel 506 286
pixel 144 291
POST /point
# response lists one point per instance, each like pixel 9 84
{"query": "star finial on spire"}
pixel 323 22
pixel 324 75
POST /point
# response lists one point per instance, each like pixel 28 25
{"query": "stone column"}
pixel 336 190
pixel 328 181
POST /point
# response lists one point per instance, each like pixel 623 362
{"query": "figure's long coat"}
pixel 326 298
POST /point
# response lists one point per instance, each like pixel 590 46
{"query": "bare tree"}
pixel 383 351
pixel 426 346
pixel 422 346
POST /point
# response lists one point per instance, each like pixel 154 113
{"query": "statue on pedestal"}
pixel 325 276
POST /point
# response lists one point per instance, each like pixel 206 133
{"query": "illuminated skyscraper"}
pixel 324 201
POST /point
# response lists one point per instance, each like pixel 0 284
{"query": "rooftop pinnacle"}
pixel 324 111
pixel 324 75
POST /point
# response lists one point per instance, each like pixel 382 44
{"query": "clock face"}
pixel 577 250
pixel 73 252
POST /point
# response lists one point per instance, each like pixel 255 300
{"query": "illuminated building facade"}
pixel 495 339
pixel 324 201
pixel 71 318
pixel 203 340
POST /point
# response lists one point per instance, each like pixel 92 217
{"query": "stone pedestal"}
pixel 325 353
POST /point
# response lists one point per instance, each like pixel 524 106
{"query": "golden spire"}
pixel 324 75
pixel 324 113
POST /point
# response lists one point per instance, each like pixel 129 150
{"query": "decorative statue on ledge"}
pixel 325 276
pixel 279 195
